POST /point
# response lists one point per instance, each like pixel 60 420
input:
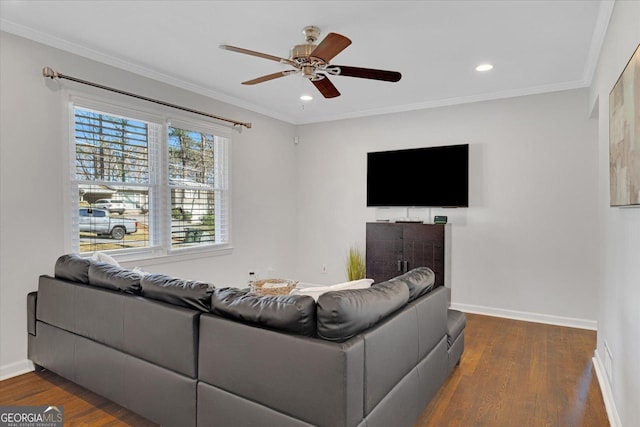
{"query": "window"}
pixel 196 185
pixel 143 182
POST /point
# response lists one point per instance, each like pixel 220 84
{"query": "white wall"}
pixel 31 183
pixel 527 244
pixel 619 292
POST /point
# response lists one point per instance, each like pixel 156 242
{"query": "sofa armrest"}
pixel 32 300
pixel 456 322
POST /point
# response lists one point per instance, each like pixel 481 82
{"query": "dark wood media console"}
pixel 395 248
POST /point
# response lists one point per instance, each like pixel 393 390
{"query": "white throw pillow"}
pixel 102 257
pixel 140 272
pixel 316 291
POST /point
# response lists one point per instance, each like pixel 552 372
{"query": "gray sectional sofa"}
pixel 182 353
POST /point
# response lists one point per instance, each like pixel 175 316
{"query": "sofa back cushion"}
pixel 109 276
pixel 343 314
pixel 278 379
pixel 290 313
pixel 185 293
pixel 73 268
pixel 163 334
pixel 419 281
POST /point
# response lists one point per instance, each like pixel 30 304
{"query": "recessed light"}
pixel 484 67
pixel 306 97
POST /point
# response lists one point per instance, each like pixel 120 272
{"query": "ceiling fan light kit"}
pixel 311 61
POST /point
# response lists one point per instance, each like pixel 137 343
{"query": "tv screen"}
pixel 420 177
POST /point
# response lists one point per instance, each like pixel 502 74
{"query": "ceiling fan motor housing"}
pixel 300 52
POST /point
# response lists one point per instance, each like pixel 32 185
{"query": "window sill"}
pixel 146 258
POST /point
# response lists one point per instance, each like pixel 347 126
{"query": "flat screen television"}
pixel 419 177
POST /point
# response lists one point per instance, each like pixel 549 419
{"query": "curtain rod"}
pixel 49 72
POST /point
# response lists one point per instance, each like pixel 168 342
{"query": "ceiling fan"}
pixel 312 62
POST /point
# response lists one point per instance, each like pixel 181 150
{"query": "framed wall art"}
pixel 624 136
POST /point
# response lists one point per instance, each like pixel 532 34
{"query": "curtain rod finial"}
pixel 238 126
pixel 49 72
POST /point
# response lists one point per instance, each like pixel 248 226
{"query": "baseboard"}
pixel 15 369
pixel 526 316
pixel 607 392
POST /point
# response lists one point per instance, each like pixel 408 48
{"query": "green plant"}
pixel 356 268
pixel 176 213
pixel 209 219
pixel 180 215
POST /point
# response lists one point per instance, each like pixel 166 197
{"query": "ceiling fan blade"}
pixel 332 45
pixel 268 77
pixel 258 54
pixel 368 73
pixel 326 88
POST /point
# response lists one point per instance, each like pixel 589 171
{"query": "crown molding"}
pixel 536 90
pixel 74 48
pixel 599 33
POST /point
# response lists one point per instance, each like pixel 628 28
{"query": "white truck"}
pixel 98 221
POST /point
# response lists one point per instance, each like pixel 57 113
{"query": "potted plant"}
pixel 355 266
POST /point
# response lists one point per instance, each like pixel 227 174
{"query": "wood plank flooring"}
pixel 520 374
pixel 512 374
pixel 81 407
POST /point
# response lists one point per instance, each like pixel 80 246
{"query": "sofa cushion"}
pixel 315 291
pixel 344 314
pixel 291 313
pixel 186 293
pixel 456 322
pixel 73 268
pixel 419 281
pixel 109 276
pixel 102 257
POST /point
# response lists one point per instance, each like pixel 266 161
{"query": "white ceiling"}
pixel 536 46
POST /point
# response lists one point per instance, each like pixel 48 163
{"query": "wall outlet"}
pixel 323 269
pixel 608 362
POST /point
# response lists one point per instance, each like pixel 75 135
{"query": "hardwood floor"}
pixel 512 374
pixel 81 407
pixel 521 374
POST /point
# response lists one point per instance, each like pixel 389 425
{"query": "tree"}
pixel 110 148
